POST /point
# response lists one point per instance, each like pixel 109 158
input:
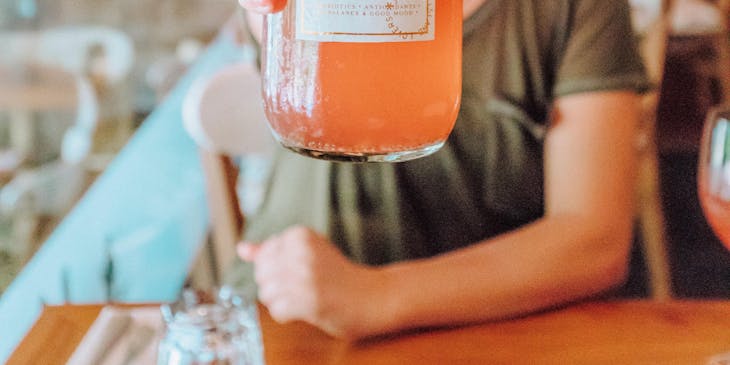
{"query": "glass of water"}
pixel 222 331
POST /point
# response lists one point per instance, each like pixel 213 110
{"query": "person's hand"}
pixel 302 276
pixel 263 6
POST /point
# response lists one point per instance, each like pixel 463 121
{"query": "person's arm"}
pixel 578 249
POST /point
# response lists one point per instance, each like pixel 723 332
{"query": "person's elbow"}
pixel 614 252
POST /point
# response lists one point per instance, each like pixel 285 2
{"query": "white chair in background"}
pixel 52 188
pixel 47 188
pixel 103 55
pixel 71 48
pixel 97 62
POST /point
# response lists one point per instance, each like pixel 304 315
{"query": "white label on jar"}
pixel 365 20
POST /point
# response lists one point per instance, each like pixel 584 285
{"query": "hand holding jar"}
pixel 361 80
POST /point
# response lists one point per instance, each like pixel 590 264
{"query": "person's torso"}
pixel 486 180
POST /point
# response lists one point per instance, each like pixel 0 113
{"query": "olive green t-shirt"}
pixel 518 56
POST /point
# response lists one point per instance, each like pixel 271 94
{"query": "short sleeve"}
pixel 600 51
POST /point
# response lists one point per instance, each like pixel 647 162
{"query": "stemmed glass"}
pixel 714 172
pixel 713 182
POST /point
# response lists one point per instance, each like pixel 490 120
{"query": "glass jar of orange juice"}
pixel 363 80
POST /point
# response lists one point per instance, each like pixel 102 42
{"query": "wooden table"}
pixel 621 332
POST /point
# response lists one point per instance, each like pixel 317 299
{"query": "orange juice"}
pixel 277 5
pixel 716 209
pixel 364 101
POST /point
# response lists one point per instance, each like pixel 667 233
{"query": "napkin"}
pixel 121 336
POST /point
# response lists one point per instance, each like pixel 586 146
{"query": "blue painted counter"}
pixel 147 212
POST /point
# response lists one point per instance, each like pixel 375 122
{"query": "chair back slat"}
pixel 653 48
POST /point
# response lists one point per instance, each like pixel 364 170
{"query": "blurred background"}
pixel 77 79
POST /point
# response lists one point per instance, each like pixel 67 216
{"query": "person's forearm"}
pixel 552 261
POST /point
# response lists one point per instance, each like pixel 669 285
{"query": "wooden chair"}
pixel 223 113
pixel 651 219
pixel 724 49
pixel 653 48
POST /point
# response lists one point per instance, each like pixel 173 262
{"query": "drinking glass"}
pixel 713 183
pixel 363 80
pixel 714 172
pixel 223 331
